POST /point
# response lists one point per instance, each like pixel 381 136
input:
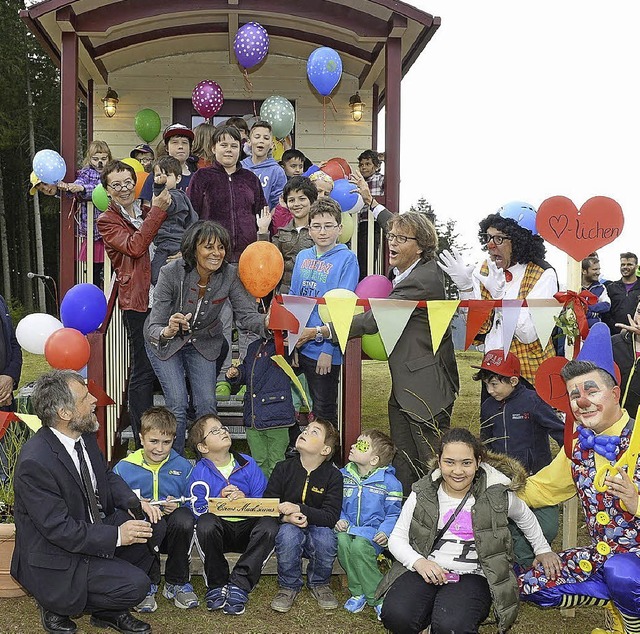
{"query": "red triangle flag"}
pixel 477 313
pixel 99 394
pixel 282 319
pixel 5 419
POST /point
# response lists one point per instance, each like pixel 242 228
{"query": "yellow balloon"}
pixel 347 228
pixel 278 150
pixel 137 165
pixel 323 311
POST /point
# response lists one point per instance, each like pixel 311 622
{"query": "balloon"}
pixel 251 44
pixel 358 206
pixel 279 112
pixel 100 198
pixel 373 347
pixel 33 331
pixel 49 166
pixel 376 286
pixel 343 194
pixel 347 228
pixel 135 163
pixel 141 179
pixel 147 124
pixel 207 98
pixel 84 308
pixel 335 170
pixel 260 268
pixel 312 170
pixel 323 311
pixel 67 349
pixel 324 69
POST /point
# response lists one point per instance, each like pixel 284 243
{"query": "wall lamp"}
pixel 357 107
pixel 110 102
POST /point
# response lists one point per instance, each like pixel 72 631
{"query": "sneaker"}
pixel 223 390
pixel 241 392
pixel 183 595
pixel 355 604
pixel 283 601
pixel 378 609
pixel 236 600
pixel 148 604
pixel 324 597
pixel 215 598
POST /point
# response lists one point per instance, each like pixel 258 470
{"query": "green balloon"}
pixel 147 124
pixel 279 112
pixel 99 198
pixel 373 347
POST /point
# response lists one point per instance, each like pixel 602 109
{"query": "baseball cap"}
pixel 494 361
pixel 143 147
pixel 35 181
pixel 177 129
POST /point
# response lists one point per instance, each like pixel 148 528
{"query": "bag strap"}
pixel 453 516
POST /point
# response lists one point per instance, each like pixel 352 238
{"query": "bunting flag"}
pixel 392 316
pixel 6 418
pixel 440 313
pixel 288 370
pixel 102 398
pixel 341 310
pixel 301 308
pixel 510 314
pixel 31 420
pixel 542 317
pixel 477 313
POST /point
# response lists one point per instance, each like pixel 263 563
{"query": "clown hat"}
pixel 597 349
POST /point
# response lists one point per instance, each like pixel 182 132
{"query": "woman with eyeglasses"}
pixel 514 269
pixel 424 383
pixel 128 230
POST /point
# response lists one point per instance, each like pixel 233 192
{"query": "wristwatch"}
pixel 319 335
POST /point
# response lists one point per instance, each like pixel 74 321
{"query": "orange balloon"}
pixel 343 163
pixel 141 179
pixel 260 268
pixel 335 167
pixel 67 349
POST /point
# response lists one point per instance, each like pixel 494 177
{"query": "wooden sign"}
pixel 244 507
pixel 579 232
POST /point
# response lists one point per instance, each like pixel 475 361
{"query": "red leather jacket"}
pixel 128 249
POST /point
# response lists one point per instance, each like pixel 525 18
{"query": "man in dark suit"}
pixel 77 548
pixel 10 359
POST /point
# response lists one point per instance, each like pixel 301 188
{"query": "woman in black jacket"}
pixel 626 353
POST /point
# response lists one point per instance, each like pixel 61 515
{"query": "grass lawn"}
pixel 20 615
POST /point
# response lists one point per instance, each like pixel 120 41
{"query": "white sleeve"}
pixel 526 521
pixel 545 288
pixel 399 539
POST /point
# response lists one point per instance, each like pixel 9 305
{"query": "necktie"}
pixel 89 493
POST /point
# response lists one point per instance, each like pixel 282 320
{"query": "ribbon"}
pixel 580 301
pixel 248 86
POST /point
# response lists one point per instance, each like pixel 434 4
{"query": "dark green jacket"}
pixel 492 536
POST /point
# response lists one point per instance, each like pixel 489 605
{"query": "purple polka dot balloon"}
pixel 207 98
pixel 251 44
pixel 49 166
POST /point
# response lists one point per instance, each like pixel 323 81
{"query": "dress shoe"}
pixel 56 623
pixel 124 623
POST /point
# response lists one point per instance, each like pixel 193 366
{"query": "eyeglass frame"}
pixel 121 186
pixel 326 228
pixel 399 238
pixel 498 239
pixel 215 431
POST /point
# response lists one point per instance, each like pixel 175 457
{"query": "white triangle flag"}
pixel 301 308
pixel 543 321
pixel 510 313
pixel 392 316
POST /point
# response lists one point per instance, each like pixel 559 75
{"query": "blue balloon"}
pixel 251 44
pixel 84 308
pixel 49 166
pixel 344 195
pixel 312 170
pixel 324 69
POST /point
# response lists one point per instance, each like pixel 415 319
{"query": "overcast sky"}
pixel 517 100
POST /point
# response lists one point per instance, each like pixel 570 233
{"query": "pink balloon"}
pixel 207 98
pixel 376 286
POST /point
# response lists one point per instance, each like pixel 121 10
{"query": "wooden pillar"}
pixel 351 396
pixel 68 150
pixel 375 107
pixel 393 76
pixel 89 112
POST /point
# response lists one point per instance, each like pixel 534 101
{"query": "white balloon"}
pixel 33 331
pixel 357 207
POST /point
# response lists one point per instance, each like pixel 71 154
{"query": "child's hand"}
pixel 342 525
pixel 170 507
pixel 323 365
pixel 232 492
pixel 380 539
pixel 550 562
pixel 232 373
pixel 297 519
pixel 287 508
pixel 264 220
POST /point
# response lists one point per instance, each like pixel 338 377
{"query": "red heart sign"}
pixel 578 233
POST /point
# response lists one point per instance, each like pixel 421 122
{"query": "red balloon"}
pixel 335 168
pixel 67 349
pixel 260 268
pixel 343 163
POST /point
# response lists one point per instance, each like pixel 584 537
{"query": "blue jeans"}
pixel 317 543
pixel 202 378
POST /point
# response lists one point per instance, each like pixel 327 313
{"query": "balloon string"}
pixel 333 105
pixel 248 86
pixel 324 121
pixel 255 111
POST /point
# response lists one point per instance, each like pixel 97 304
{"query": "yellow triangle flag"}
pixel 31 420
pixel 341 310
pixel 441 312
pixel 392 316
pixel 288 370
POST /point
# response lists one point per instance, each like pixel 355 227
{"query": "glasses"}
pixel 485 238
pixel 118 187
pixel 399 239
pixel 215 431
pixel 323 227
pixel 146 161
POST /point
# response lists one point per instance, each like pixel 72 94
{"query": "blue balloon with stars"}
pixel 324 69
pixel 49 166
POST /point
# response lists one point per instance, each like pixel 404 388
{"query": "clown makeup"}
pixel 363 456
pixel 99 160
pixel 595 405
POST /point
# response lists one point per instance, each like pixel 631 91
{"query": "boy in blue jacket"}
pixel 222 473
pixel 515 421
pixel 325 266
pixel 159 472
pixel 371 504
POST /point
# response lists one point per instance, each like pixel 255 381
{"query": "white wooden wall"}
pixel 153 84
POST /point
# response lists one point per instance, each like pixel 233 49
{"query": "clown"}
pixel 603 469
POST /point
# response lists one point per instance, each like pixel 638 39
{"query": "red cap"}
pixel 177 129
pixel 495 362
